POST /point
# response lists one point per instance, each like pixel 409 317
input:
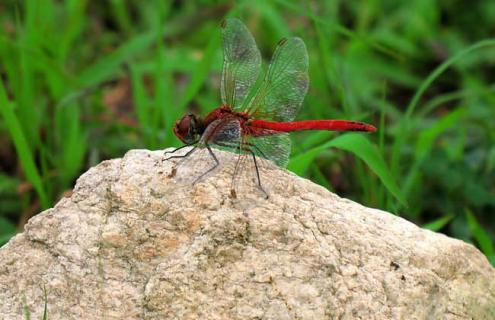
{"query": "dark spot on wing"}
pixel 282 41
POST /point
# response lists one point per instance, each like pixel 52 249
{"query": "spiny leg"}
pixel 217 163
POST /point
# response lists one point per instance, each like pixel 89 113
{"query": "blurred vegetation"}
pixel 83 81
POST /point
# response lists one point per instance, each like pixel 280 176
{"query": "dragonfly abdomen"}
pixel 331 125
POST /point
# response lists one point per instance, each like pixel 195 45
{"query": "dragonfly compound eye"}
pixel 186 129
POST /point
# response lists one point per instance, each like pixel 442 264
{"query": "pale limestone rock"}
pixel 133 243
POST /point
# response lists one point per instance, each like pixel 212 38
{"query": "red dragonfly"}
pixel 256 123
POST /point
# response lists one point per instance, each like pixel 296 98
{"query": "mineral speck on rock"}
pixel 133 243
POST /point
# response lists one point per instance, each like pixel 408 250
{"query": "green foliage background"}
pixel 83 81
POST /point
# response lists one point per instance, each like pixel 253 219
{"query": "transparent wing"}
pixel 275 147
pixel 283 89
pixel 241 64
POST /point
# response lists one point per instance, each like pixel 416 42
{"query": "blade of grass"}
pixel 403 132
pixel 29 118
pixel 104 68
pixel 37 57
pixel 364 183
pixel 7 230
pixel 73 28
pixel 201 72
pixel 327 61
pixel 481 236
pixel 320 178
pixel 72 142
pixel 363 149
pixel 425 141
pixel 22 147
pixel 162 90
pixel 273 18
pixel 451 96
pixel 381 195
pixel 163 81
pixel 45 300
pixel 441 68
pixel 439 223
pixel 141 102
pixel 341 29
pixel 25 309
pixel 121 15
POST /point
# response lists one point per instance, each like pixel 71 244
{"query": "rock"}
pixel 132 242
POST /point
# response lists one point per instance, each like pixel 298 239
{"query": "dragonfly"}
pixel 255 117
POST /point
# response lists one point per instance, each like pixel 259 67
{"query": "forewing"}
pixel 241 64
pixel 283 89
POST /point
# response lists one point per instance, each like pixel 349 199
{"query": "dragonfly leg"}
pixel 188 153
pixel 258 174
pixel 217 163
pixel 177 149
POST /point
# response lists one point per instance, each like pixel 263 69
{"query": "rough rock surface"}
pixel 132 243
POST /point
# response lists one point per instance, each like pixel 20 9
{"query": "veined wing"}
pixel 275 147
pixel 283 89
pixel 241 64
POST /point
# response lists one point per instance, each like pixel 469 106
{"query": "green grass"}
pixel 84 81
pixel 27 312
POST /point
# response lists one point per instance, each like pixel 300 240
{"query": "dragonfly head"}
pixel 188 129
